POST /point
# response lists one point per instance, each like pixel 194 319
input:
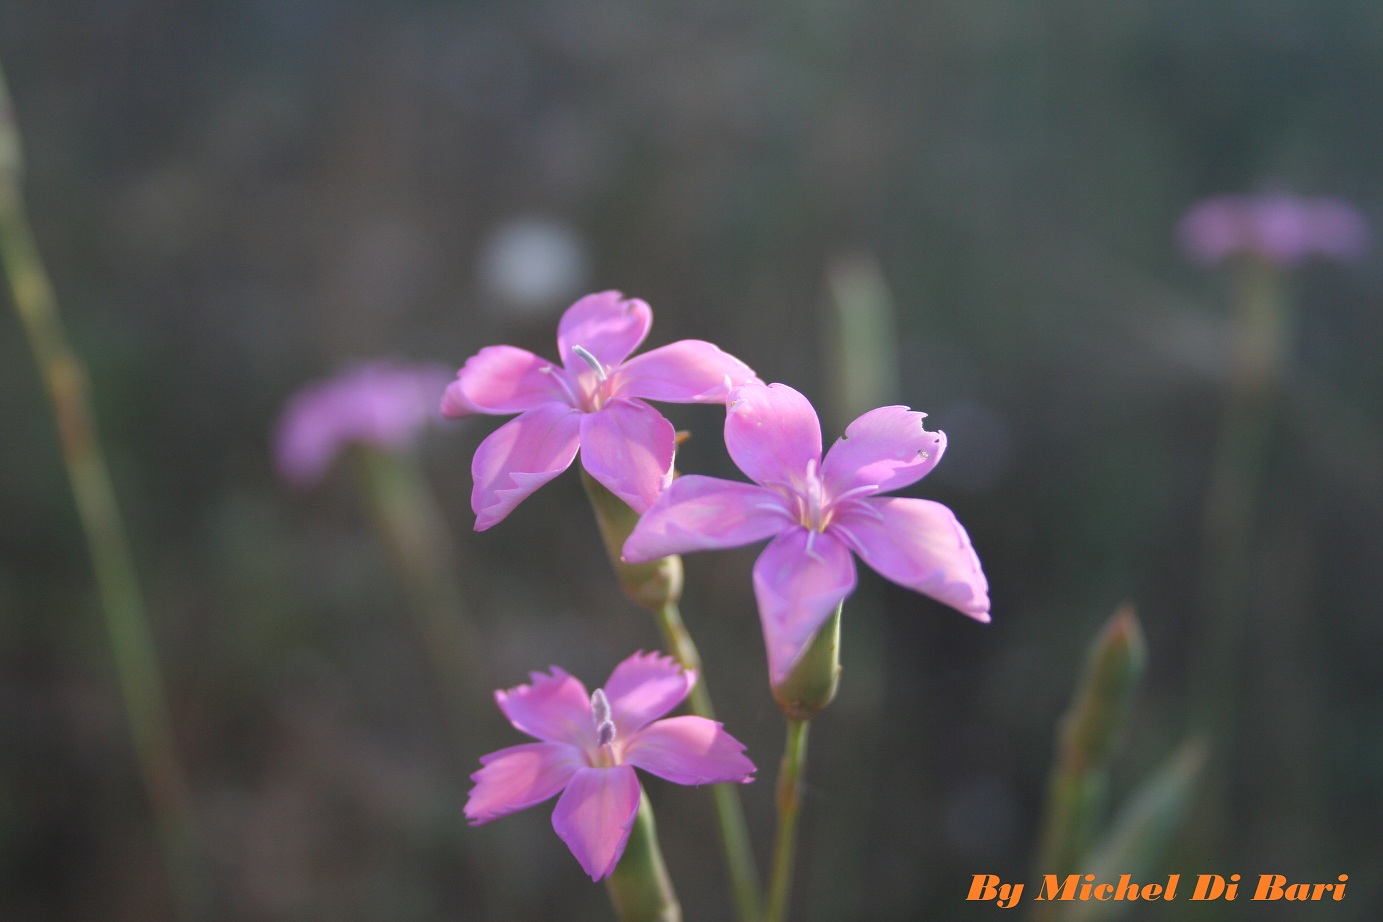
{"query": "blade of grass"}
pixel 132 645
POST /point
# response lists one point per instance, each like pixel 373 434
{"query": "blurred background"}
pixel 237 198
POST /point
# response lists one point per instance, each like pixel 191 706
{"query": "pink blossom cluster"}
pixel 1281 229
pixel 820 510
pixel 383 404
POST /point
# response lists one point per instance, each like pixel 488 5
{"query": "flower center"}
pixel 810 502
pixel 812 506
pixel 604 756
pixel 594 392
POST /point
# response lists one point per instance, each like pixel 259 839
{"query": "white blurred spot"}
pixel 534 264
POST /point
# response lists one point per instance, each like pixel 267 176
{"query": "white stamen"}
pixel 866 509
pixel 850 537
pixel 600 706
pixel 561 380
pixel 591 360
pixel 600 710
pixel 811 551
pixel 777 510
pixel 864 490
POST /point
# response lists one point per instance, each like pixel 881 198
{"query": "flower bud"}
pixel 812 682
pixel 1089 731
pixel 1113 667
pixel 652 585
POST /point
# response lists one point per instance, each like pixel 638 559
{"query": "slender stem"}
pixel 789 807
pixel 1262 324
pixel 734 831
pixel 412 527
pixel 132 645
pixel 683 649
pixel 656 586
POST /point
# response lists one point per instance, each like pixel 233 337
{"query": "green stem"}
pixel 656 586
pixel 679 643
pixel 1261 327
pixel 132 645
pixel 639 887
pixel 1262 324
pixel 423 551
pixel 789 807
pixel 734 831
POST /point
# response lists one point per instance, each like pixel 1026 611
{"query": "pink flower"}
pixel 818 511
pixel 591 744
pixel 1279 228
pixel 384 404
pixel 593 401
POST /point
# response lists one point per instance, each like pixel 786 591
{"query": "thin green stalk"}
pixel 789 808
pixel 683 649
pixel 413 529
pixel 656 586
pixel 132 645
pixel 734 831
pixel 1262 324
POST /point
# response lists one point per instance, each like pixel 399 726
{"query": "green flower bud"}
pixel 812 683
pixel 652 585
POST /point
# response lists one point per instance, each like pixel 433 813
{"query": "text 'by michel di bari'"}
pixel 992 889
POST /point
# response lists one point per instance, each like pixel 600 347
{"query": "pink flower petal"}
pixel 556 708
pixel 887 447
pixel 519 777
pixel 772 433
pixel 643 688
pixel 1340 231
pixel 1278 227
pixel 689 750
pixel 688 371
pixel 382 404
pixel 628 446
pixel 306 442
pixel 798 586
pixel 700 513
pixel 607 325
pixel 521 456
pixel 1212 229
pixel 919 544
pixel 595 814
pixel 504 379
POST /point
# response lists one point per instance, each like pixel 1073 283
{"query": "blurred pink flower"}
pixel 1282 229
pixel 594 401
pixel 590 745
pixel 384 404
pixel 817 512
